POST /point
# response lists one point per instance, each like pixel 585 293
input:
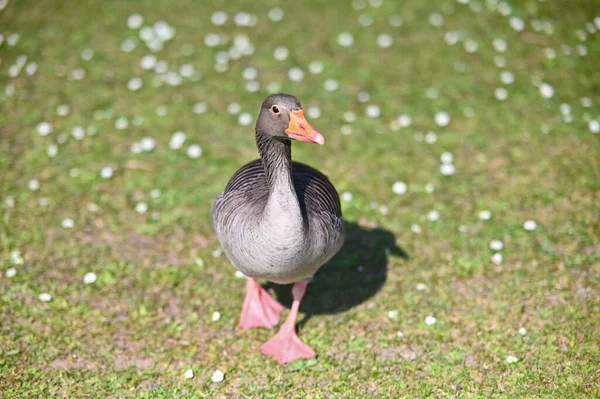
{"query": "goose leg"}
pixel 285 346
pixel 259 309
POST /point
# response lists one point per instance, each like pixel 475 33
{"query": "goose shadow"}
pixel 356 273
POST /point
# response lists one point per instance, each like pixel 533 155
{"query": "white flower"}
pixel 496 245
pixel 177 140
pixel 216 316
pixel 363 96
pixel 217 376
pixel 349 116
pixel 10 272
pixel 135 21
pixel 436 19
pixel 316 67
pixel 219 18
pixel 501 93
pixel 530 225
pixel 430 320
pixel 194 151
pixel 499 45
pixel 384 40
pixel 516 23
pixel 546 90
pixel 433 216
pixel 331 85
pixel 67 223
pixel 594 126
pixel 313 112
pixel 399 188
pixel 347 196
pixel 442 119
pixel 239 274
pixel 89 278
pixel 134 84
pixel 446 157
pixel 373 111
pixel 245 119
pixel 280 53
pixel 485 215
pixel 250 73
pixel 400 334
pixel 497 258
pixel 44 128
pixel 447 169
pixel 416 229
pixel 200 108
pixel 522 331
pixel 141 207
pixel 275 14
pixel 404 120
pixel 147 144
pixel 121 123
pixel 345 39
pixel 507 77
pixel 106 172
pixel 63 110
pixel 393 314
pixel 421 287
pixel 189 373
pixel 33 185
pixel 296 74
pixel 511 359
pixel 45 297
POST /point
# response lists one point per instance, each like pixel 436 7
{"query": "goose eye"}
pixel 275 109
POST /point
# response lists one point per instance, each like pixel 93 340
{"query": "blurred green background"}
pixel 462 132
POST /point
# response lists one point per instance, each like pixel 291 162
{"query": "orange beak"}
pixel 299 129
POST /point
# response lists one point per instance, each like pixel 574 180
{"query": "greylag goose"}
pixel 279 221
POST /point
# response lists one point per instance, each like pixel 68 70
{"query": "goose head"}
pixel 282 117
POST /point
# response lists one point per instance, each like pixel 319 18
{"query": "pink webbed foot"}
pixel 259 309
pixel 285 346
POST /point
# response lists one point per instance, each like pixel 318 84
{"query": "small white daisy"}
pixel 430 320
pixel 433 216
pixel 45 297
pixel 485 215
pixel 67 223
pixel 245 119
pixel 442 119
pixel 345 39
pixel 141 207
pixel 530 225
pixel 511 359
pixel 106 172
pixel 497 258
pixel 399 188
pixel 189 374
pixel 89 278
pixel 546 90
pixel 194 151
pixel 496 245
pixel 217 376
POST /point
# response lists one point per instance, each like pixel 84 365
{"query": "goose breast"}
pixel 260 250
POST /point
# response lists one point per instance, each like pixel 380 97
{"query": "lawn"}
pixel 461 135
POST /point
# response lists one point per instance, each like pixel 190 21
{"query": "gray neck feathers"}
pixel 282 211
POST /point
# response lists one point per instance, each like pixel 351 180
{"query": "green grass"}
pixel 148 317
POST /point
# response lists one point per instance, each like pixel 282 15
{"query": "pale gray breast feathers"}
pixel 237 213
